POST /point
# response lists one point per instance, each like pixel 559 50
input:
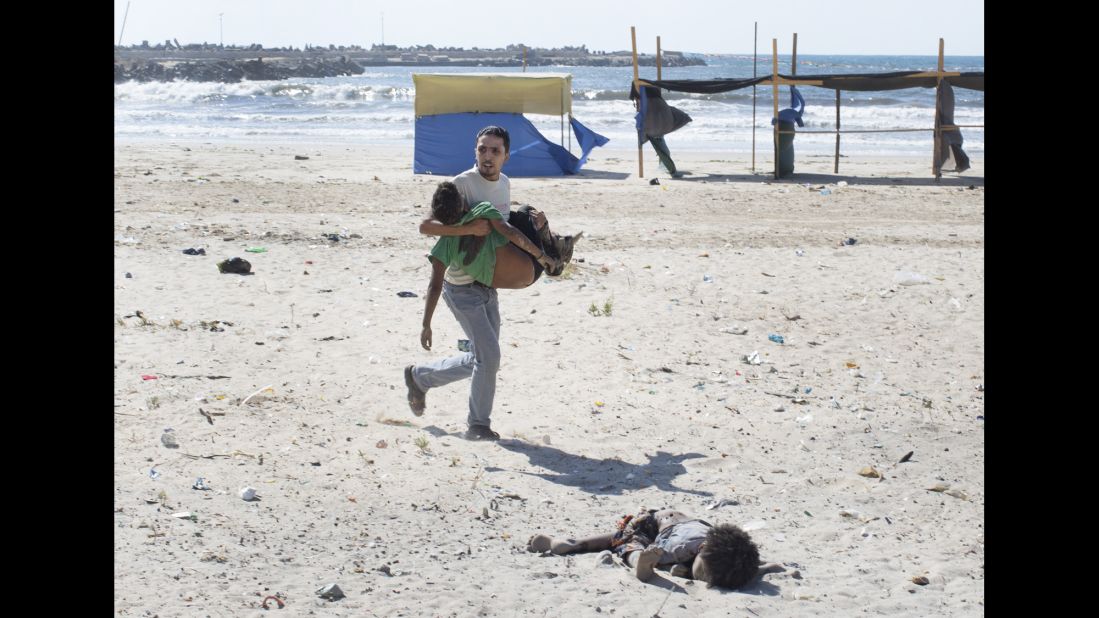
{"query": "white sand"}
pixel 649 406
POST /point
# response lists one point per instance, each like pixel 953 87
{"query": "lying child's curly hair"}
pixel 731 557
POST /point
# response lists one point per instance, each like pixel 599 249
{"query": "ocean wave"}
pixel 379 106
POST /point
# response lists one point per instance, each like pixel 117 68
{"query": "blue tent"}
pixel 452 108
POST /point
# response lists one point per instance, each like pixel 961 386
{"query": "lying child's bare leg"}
pixel 542 543
pixel 514 269
pixel 770 567
pixel 643 562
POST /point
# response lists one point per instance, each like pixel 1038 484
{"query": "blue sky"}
pixel 889 27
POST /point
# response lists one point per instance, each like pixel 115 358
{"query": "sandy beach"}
pixel 643 377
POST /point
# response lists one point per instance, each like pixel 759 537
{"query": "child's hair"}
pixel 447 204
pixel 731 557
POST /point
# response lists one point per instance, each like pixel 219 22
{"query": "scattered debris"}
pixel 269 387
pixel 904 277
pixel 870 472
pixel 235 266
pixel 721 503
pixel 948 490
pixel 330 592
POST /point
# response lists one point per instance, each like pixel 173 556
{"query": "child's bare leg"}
pixel 513 270
pixel 770 567
pixel 542 543
pixel 681 569
pixel 644 561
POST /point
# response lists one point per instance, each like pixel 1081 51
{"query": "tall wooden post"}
pixel 755 40
pixel 936 169
pixel 836 167
pixel 637 86
pixel 774 97
pixel 794 59
pixel 658 58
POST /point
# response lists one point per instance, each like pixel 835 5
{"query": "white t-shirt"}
pixel 475 189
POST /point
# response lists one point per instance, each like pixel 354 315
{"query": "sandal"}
pixel 417 398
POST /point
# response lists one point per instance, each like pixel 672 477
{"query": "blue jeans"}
pixel 477 310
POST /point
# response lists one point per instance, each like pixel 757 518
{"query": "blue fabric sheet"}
pixel 794 112
pixel 445 143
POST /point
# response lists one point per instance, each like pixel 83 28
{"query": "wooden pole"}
pixel 774 96
pixel 658 58
pixel 836 167
pixel 637 86
pixel 794 59
pixel 936 169
pixel 124 16
pixel 755 43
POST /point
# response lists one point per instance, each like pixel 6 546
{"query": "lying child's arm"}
pixel 433 290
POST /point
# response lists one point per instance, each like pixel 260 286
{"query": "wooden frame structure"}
pixel 777 80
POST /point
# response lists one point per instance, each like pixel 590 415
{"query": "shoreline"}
pixel 613 158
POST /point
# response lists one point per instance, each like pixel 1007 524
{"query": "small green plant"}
pixel 421 442
pixel 608 308
pixel 153 402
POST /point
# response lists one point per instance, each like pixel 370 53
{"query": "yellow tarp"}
pixel 514 93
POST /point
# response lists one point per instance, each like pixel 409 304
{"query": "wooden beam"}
pixel 637 85
pixel 658 59
pixel 936 170
pixel 755 39
pixel 794 58
pixel 836 167
pixel 774 97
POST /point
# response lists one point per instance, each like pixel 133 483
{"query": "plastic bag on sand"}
pixel 904 277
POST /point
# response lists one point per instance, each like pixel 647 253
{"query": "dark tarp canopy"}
pixel 842 81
